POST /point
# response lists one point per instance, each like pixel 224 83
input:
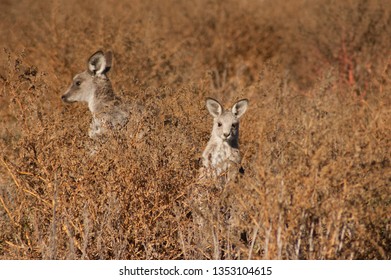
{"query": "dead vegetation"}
pixel 315 140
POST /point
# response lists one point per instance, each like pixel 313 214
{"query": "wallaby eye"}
pixel 219 124
pixel 78 83
pixel 234 125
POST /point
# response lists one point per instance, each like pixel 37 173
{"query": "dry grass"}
pixel 315 141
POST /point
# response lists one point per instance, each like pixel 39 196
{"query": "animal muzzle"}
pixel 226 136
pixel 65 98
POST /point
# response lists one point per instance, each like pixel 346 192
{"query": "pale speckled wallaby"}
pixel 94 87
pixel 222 151
pixel 221 162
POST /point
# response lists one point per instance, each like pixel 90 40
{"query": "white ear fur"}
pixel 214 107
pixel 100 63
pixel 240 108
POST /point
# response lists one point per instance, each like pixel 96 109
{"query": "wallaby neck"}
pixel 102 96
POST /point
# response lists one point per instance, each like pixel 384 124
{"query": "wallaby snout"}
pixel 67 98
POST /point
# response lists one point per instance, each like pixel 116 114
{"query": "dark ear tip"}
pixel 98 52
pixel 241 101
pixel 244 100
pixel 108 55
pixel 109 59
pixel 94 56
pixel 211 99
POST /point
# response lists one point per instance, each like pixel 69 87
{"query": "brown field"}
pixel 316 140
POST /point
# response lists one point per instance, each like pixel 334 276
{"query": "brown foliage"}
pixel 315 141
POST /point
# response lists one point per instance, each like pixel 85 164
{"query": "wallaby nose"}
pixel 226 135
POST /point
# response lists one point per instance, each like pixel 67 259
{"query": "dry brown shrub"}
pixel 316 160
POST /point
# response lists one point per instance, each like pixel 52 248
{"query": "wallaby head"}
pixel 226 122
pixel 92 85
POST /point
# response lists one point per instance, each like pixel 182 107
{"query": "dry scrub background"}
pixel 315 141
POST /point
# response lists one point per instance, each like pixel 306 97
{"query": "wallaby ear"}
pixel 109 60
pixel 240 107
pixel 214 107
pixel 100 63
